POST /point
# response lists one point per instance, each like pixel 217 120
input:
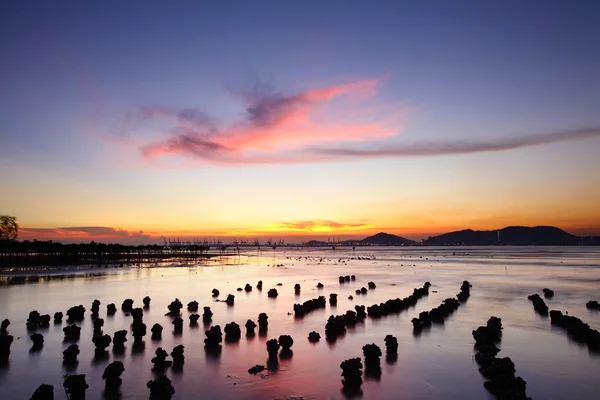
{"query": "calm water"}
pixel 437 364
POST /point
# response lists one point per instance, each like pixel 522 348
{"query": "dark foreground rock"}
pixel 256 369
pixel 43 392
pixel 352 375
pixel 75 386
pixel 161 388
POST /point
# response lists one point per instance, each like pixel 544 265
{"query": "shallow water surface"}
pixel 436 364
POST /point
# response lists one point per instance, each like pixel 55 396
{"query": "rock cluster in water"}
pixel 101 343
pixel 314 337
pixel 156 331
pixel 95 307
pixel 119 339
pixel 248 287
pixel 273 348
pixel 72 333
pixel 263 323
pixel 76 313
pixel 320 285
pixel 297 288
pixel 192 306
pixel 38 341
pixel 194 319
pixel 259 285
pixel 43 392
pixel 175 307
pixel 214 337
pixel 5 342
pixel 391 348
pixel 127 305
pixel 138 331
pixel 232 332
pixel 499 372
pixel 272 293
pixel 58 317
pixel 344 279
pixel 593 305
pixel 36 320
pixel 177 355
pixel 75 386
pixel 215 293
pixel 98 324
pixel 300 310
pixel 177 325
pixel 250 326
pixel 70 354
pixel 548 293
pixel 539 305
pixel 230 299
pixel 398 305
pixel 436 315
pixel 333 299
pixel 578 330
pixel 161 388
pixel 372 354
pixel 465 292
pixel 112 377
pixel 352 375
pixel 111 309
pixel 160 359
pixel 207 315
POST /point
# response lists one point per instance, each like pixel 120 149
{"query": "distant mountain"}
pixel 512 235
pixel 314 243
pixel 385 239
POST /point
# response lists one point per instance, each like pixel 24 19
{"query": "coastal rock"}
pixel 72 333
pixel 33 321
pixel 70 354
pixel 98 324
pixel 177 355
pixel 175 307
pixel 539 305
pixel 232 332
pixel 214 337
pixel 372 354
pixel 297 288
pixel 286 342
pixel 489 334
pixel 250 326
pixel 314 337
pixel 273 348
pixel 75 386
pixel 111 309
pixel 207 315
pixel 391 344
pixel 119 339
pixel 43 392
pixel 138 330
pixel 372 285
pixel 248 287
pixel 194 319
pixel 352 277
pixel 263 323
pixel 160 359
pixel 6 323
pixel 230 299
pixel 44 321
pixel 146 301
pixel 320 285
pixel 352 375
pixel 310 305
pixel 38 341
pixel 112 377
pixel 58 317
pixel 95 306
pixel 5 342
pixel 272 293
pixel 127 305
pixel 156 332
pixel 192 306
pixel 215 293
pixel 101 343
pixel 161 388
pixel 76 313
pixel 256 369
pixel 591 305
pixel 259 285
pixel 178 325
pixel 333 299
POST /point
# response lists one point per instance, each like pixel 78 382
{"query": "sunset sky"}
pixel 125 121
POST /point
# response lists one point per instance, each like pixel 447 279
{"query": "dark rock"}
pixel 320 285
pixel 75 386
pixel 38 341
pixel 127 305
pixel 489 334
pixel 350 297
pixel 232 332
pixel 138 330
pixel 178 324
pixel 272 348
pixel 5 324
pixel 111 309
pixel 98 324
pixel 286 342
pixel 214 337
pixel 70 354
pixel 5 342
pixel 230 299
pixel 101 343
pixel 372 285
pixel 175 307
pixel 259 285
pixel 72 333
pixel 76 313
pixel 161 388
pixel 272 293
pixel 250 326
pixel 314 337
pixel 335 327
pixel 95 306
pixel 207 315
pixel 146 301
pixel 352 374
pixel 33 321
pixel 256 369
pixel 160 360
pixel 119 339
pixel 156 331
pixel 361 315
pixel 592 305
pixel 263 324
pixel 44 321
pixel 372 354
pixel 391 344
pixel 538 304
pixel 215 293
pixel 43 392
pixel 347 278
pixel 194 319
pixel 248 288
pixel 310 305
pixel 333 299
pixel 239 289
pixel 177 354
pixel 363 290
pixel 297 288
pixel 137 314
pixel 352 277
pixel 112 376
pixel 58 316
pixel 578 330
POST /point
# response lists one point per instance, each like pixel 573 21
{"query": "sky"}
pixel 133 121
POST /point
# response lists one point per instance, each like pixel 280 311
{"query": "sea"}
pixel 437 363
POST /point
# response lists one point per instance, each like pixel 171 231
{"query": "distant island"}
pixel 509 236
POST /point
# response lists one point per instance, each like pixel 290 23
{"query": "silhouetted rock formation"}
pixel 272 293
pixel 361 315
pixel 70 354
pixel 352 375
pixel 95 306
pixel 192 306
pixel 465 292
pixel 137 314
pixel 138 330
pixel 146 301
pixel 593 305
pixel 320 285
pixel 256 369
pixel 512 235
pixel 263 323
pixel 72 333
pixel 177 355
pixel 175 307
pixel 207 315
pixel 156 331
pixel 490 334
pixel 4 325
pixel 297 288
pixel 314 337
pixel 5 342
pixel 548 293
pixel 111 309
pixel 214 337
pixel 119 339
pixel 194 319
pixel 578 330
pixel 539 305
pixel 395 306
pixel 248 288
pixel 101 343
pixel 76 313
pixel 391 349
pixel 353 277
pixel 239 289
pixel 112 377
pixel 43 392
pixel 310 305
pixel 259 285
pixel 58 316
pixel 250 326
pixel 371 286
pixel 333 299
pixel 232 332
pixel 160 360
pixel 335 327
pixel 372 354
pixel 161 388
pixel 127 305
pixel 75 386
pixel 44 321
pixel 230 299
pixel 178 325
pixel 215 293
pixel 286 342
pixel 33 321
pixel 435 315
pixel 272 348
pixel 98 324
pixel 38 341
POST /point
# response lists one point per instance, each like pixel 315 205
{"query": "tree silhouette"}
pixel 9 229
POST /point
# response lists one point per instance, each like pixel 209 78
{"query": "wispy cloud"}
pixel 317 226
pixel 338 122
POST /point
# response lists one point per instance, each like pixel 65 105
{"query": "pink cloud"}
pixel 87 234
